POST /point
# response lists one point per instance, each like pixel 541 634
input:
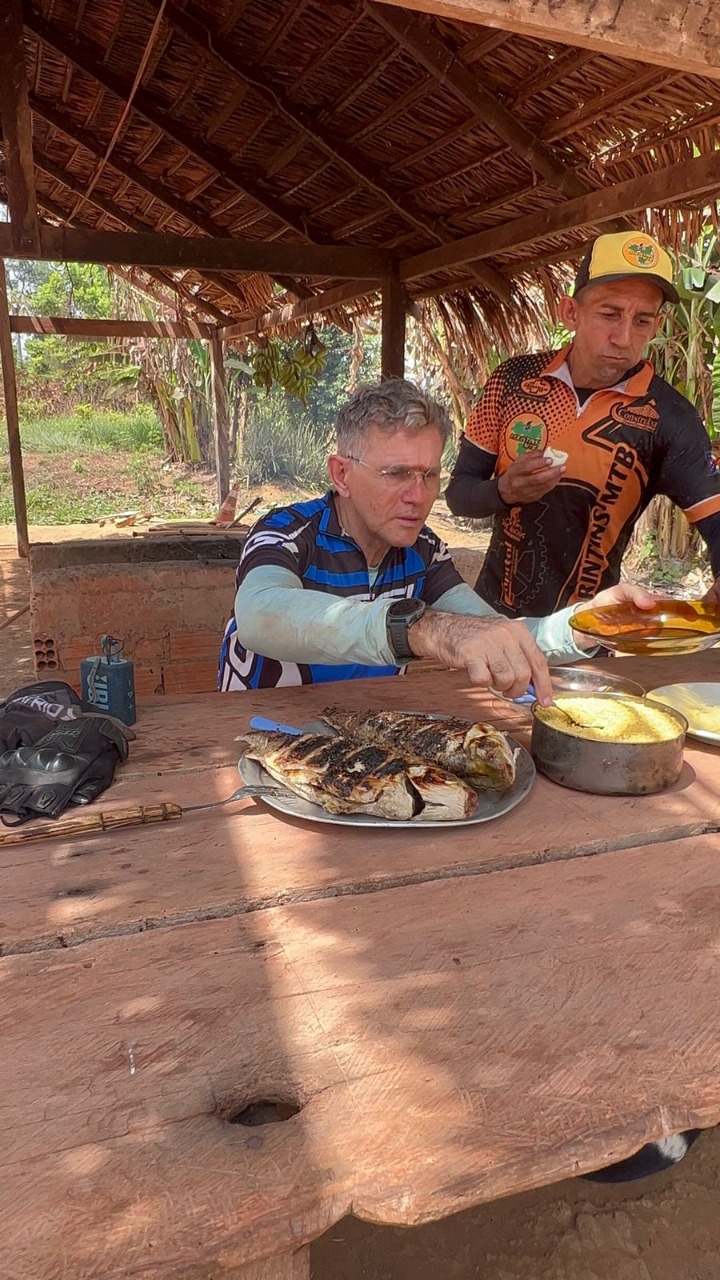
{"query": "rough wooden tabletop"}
pixel 458 1014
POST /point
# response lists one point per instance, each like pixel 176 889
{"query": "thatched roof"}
pixel 315 121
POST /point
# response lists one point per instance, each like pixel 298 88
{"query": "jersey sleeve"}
pixel 688 472
pixel 275 540
pixel 442 574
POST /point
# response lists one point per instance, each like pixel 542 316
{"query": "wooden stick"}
pixel 83 824
pixel 14 617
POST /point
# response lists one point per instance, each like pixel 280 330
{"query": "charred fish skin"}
pixel 340 775
pixel 347 776
pixel 478 751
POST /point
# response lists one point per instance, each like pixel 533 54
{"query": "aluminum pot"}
pixel 608 768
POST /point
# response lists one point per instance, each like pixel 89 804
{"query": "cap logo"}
pixel 641 253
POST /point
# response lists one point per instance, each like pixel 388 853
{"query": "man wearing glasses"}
pixel 355 584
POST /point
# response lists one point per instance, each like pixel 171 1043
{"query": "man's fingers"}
pixel 540 672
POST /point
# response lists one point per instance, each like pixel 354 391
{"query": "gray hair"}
pixel 394 405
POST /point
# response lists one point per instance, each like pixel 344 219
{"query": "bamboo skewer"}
pixel 133 816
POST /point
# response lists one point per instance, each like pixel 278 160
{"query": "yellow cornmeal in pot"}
pixel 609 719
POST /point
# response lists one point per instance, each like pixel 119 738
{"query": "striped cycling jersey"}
pixel 306 538
pixel 624 445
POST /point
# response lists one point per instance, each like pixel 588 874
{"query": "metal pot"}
pixel 608 768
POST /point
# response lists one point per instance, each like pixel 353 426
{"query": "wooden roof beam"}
pixel 115 211
pixel 60 244
pixel 167 284
pixel 17 129
pixel 323 136
pixel 304 119
pixel 281 316
pixel 162 278
pixel 414 35
pixel 688 180
pixel 72 327
pixel 198 147
pixel 157 190
pixel 683 37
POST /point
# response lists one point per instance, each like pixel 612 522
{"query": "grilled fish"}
pixel 478 752
pixel 344 776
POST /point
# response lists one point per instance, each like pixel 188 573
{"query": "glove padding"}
pixel 72 764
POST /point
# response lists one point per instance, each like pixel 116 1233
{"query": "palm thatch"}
pixel 307 120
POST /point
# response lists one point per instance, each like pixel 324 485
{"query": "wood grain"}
pixel 246 859
pixel 448 1043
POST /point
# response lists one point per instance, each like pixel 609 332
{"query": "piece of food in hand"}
pixel 613 719
pixel 556 456
pixel 478 752
pixel 345 776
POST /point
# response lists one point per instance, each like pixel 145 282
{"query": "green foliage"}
pixel 91 430
pixel 280 446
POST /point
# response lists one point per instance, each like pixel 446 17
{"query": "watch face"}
pixel 406 608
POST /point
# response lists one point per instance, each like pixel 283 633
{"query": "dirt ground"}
pixel 663 1228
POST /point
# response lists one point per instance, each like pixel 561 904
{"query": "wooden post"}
pixel 220 419
pixel 394 307
pixel 17 130
pixel 7 359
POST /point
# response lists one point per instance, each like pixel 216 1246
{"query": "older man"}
pixel 355 584
pixel 621 435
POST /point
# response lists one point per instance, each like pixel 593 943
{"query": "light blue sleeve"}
pixel 317 627
pixel 553 635
pixel 312 626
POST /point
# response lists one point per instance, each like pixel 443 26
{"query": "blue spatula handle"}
pixel 272 726
pixel 526 699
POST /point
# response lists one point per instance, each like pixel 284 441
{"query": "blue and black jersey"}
pixel 306 539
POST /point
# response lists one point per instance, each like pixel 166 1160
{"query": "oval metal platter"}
pixel 491 804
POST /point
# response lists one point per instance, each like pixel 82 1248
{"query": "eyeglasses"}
pixel 400 477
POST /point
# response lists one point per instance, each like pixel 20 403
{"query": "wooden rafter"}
pixel 165 195
pixel 71 327
pixel 665 186
pixel 202 150
pixel 115 211
pixel 17 128
pixel 199 254
pixel 162 278
pixel 283 316
pixel 415 36
pixel 157 285
pixel 322 135
pixel 681 37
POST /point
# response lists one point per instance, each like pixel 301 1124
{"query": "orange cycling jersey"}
pixel 624 445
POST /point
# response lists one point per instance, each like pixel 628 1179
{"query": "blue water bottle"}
pixel 108 681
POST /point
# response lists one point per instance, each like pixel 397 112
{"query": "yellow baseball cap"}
pixel 623 255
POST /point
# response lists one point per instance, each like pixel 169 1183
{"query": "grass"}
pixel 102 431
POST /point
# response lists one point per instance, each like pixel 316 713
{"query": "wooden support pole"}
pixel 394 308
pixel 220 419
pixel 7 360
pixel 17 130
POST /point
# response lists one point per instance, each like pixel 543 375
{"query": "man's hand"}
pixel 497 653
pixel 623 593
pixel 713 595
pixel 529 478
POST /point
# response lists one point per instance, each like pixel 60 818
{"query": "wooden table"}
pixel 453 1015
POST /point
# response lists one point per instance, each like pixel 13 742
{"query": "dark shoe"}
pixel 652 1158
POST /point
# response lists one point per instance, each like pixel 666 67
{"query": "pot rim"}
pixel 604 742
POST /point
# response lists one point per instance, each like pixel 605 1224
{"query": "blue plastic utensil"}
pixel 526 699
pixel 272 726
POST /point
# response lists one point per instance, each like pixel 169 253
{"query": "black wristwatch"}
pixel 400 616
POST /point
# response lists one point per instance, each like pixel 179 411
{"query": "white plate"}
pixel 694 701
pixel 491 804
